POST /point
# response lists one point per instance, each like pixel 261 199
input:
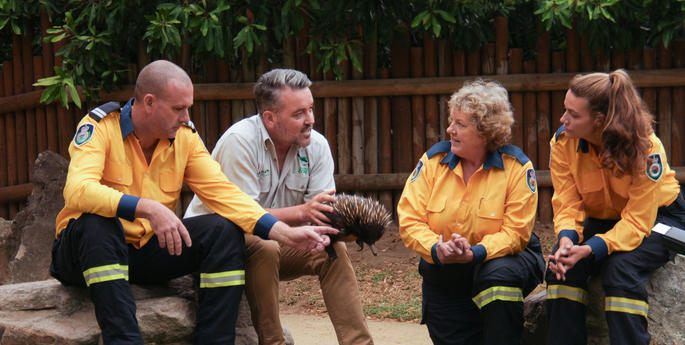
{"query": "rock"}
pixel 666 303
pixel 35 224
pixel 9 240
pixel 666 315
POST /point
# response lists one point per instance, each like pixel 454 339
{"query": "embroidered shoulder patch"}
pixel 655 167
pixel 531 180
pixel 417 171
pixel 83 134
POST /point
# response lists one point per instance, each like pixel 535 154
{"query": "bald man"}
pixel 127 167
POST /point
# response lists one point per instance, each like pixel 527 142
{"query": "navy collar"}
pixel 492 159
pixel 583 146
pixel 125 121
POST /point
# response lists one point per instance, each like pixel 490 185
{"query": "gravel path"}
pixel 317 330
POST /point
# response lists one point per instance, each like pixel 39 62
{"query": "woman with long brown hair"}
pixel 612 183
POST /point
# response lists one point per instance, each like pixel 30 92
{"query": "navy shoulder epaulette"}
pixel 98 113
pixel 191 125
pixel 441 147
pixel 515 152
pixel 559 131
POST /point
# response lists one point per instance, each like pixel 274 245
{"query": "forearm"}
pixel 292 215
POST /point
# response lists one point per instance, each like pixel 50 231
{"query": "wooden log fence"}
pixel 378 121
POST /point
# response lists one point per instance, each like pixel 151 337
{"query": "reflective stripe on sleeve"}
pixel 221 279
pixel 502 293
pixel 626 305
pixel 105 273
pixel 568 292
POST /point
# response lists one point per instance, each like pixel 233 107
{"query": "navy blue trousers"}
pixel 92 252
pixel 480 304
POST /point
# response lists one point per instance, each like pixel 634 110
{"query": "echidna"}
pixel 359 219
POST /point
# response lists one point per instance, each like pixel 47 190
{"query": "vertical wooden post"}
pixel 501 45
pixel 586 61
pixel 488 56
pixel 20 116
pixel 223 71
pixel 31 138
pixel 65 122
pixel 41 121
pixel 401 110
pixel 459 58
pixel 358 128
pixel 445 69
pixel 371 133
pixel 212 128
pixel 516 67
pixel 4 211
pixel 418 127
pixel 572 50
pixel 431 101
pixel 677 123
pixel 385 141
pixel 665 114
pixel 10 131
pixel 48 65
pixel 472 63
pixel 330 110
pixel 558 63
pixel 649 94
pixel 530 132
pixel 543 47
pixel 618 59
pixel 344 132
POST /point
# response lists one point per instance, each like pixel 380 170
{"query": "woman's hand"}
pixel 455 251
pixel 566 257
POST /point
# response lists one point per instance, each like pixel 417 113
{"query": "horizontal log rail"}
pixel 344 182
pixel 379 87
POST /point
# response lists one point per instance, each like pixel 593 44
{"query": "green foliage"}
pixel 101 38
pixel 621 24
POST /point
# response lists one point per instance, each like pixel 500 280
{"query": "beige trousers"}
pixel 268 263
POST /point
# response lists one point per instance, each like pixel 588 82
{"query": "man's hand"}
pixel 455 251
pixel 312 210
pixel 308 238
pixel 169 229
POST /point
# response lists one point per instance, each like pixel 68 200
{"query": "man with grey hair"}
pixel 279 160
pixel 127 167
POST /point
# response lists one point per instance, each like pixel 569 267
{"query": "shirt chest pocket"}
pixel 591 183
pixel 116 173
pixel 490 214
pixel 169 182
pixel 296 183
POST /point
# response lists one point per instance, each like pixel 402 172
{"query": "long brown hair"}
pixel 623 117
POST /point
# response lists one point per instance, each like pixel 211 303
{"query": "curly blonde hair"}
pixel 490 110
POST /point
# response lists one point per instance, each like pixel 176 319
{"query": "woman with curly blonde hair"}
pixel 612 183
pixel 468 210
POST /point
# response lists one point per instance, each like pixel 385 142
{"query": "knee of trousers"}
pixel 499 271
pixel 223 240
pixel 262 252
pixel 95 233
pixel 618 273
pixel 340 266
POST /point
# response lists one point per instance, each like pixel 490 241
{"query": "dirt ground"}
pixel 390 290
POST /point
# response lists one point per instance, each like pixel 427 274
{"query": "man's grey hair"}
pixel 268 87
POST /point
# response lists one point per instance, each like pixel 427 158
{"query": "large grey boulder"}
pixel 666 317
pixel 35 224
pixel 9 240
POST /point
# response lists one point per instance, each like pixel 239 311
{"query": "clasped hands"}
pixel 457 250
pixel 566 256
